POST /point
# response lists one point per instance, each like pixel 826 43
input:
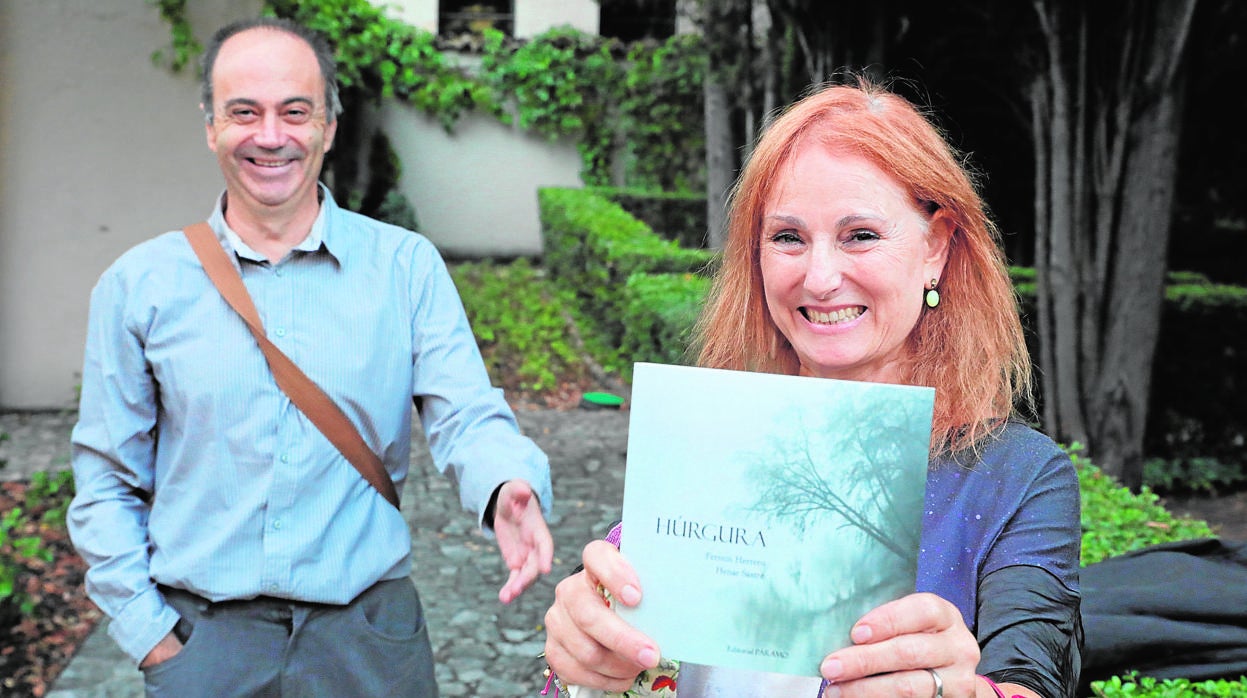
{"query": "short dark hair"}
pixel 320 46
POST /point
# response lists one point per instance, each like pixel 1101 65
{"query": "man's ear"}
pixel 331 129
pixel 208 131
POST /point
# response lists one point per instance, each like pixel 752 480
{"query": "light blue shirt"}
pixel 194 470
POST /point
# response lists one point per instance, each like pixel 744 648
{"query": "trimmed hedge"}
pixel 658 313
pixel 676 216
pixel 593 246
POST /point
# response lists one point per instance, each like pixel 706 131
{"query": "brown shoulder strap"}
pixel 305 394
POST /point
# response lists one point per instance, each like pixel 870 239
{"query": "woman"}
pixel 850 214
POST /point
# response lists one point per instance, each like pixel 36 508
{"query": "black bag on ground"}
pixel 1177 610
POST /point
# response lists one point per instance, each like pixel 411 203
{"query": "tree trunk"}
pixel 1058 279
pixel 1106 123
pixel 726 29
pixel 720 162
pixel 1136 293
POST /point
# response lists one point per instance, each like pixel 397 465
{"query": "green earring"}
pixel 932 296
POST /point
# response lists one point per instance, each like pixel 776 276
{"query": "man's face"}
pixel 269 130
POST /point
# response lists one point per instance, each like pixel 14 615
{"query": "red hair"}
pixel 970 349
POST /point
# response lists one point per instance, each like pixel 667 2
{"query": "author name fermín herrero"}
pixel 679 527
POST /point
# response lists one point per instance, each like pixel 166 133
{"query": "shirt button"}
pixel 277 524
pixel 272 587
pixel 285 458
pixel 280 332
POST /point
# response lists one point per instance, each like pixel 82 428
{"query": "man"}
pixel 235 549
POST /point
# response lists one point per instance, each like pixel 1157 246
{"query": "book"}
pixel 765 514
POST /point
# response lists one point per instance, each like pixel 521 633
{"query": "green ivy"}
pixel 383 57
pixel 183 47
pixel 662 110
pixel 643 101
pixel 563 82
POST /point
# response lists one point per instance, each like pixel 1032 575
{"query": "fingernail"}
pixel 630 595
pixel 647 657
pixel 831 670
pixel 861 633
pixel 832 691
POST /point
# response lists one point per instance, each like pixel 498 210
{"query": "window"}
pixel 630 20
pixel 459 17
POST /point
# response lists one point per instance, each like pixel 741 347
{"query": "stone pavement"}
pixel 481 647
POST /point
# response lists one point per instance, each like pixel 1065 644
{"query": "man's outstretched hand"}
pixel 523 537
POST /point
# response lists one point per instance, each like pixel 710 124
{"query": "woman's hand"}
pixel 895 644
pixel 587 644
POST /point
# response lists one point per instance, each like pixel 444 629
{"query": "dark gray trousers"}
pixel 377 645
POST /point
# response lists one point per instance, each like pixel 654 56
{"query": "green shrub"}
pixel 19 545
pixel 592 247
pixel 1134 686
pixel 519 323
pixel 52 493
pixel 658 313
pixel 1116 520
pixel 1193 474
pixel 679 217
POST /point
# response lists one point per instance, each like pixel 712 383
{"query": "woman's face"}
pixel 846 254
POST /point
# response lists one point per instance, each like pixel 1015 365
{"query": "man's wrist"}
pixel 488 517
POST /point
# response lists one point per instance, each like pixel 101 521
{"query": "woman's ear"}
pixel 939 238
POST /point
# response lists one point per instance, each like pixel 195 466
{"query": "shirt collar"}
pixel 317 238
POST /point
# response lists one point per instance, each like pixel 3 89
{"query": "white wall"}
pixel 101 150
pixel 419 13
pixel 475 190
pixel 531 16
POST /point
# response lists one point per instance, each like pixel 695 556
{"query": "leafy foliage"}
pixel 592 247
pixel 658 312
pixel 1116 520
pixel 679 216
pixel 662 114
pixel 1135 686
pixel 21 544
pixel 642 100
pixel 1195 474
pixel 563 82
pixel 518 321
pixel 183 47
pixel 383 57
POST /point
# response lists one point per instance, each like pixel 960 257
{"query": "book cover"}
pixel 764 514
